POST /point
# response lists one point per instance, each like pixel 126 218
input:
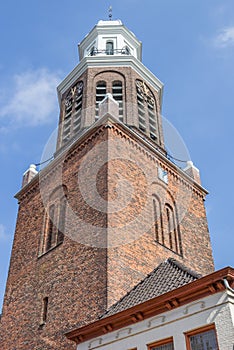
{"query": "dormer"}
pixel 110 38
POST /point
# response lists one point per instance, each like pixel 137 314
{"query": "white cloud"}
pixel 225 38
pixel 32 99
pixel 3 234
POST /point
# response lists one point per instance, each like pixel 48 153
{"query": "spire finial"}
pixel 110 13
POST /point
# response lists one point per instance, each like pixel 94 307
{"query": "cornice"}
pixel 123 131
pixel 110 61
pixel 143 146
pixel 110 30
pixel 200 288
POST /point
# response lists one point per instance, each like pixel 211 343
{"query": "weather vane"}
pixel 110 13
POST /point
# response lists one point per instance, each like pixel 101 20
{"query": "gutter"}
pixel 227 285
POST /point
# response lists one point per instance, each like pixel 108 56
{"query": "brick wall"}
pixel 128 77
pixel 80 277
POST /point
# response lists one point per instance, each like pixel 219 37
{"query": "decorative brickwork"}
pixel 81 281
pixel 88 229
pixel 128 77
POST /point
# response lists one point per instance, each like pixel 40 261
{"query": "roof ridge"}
pixel 186 269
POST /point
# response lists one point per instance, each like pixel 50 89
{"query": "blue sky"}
pixel 188 45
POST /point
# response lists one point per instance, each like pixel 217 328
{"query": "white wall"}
pixel 216 309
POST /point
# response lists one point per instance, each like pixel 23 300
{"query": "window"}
pixel 162 175
pixel 100 95
pixel 166 227
pixel 72 112
pixel 166 344
pixel 117 92
pixel 146 110
pixel 141 111
pixel 50 235
pixel 54 222
pixel 158 224
pixel 172 241
pixel 202 339
pixel 109 47
pixel 44 311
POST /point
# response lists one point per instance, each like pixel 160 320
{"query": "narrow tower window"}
pixel 109 47
pixel 100 94
pixel 158 225
pixel 166 227
pixel 172 241
pixel 169 226
pixel 117 92
pixel 141 111
pixel 44 311
pixel 54 221
pixel 51 228
pixel 147 115
pixel 152 119
pixel 62 216
pixel 72 112
pixel 77 108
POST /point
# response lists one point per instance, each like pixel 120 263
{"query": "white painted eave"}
pixel 106 62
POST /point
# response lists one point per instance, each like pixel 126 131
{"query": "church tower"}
pixel 110 206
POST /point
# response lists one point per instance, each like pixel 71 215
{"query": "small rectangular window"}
pixel 202 339
pixel 165 344
pixel 162 175
pixel 109 47
pixel 44 311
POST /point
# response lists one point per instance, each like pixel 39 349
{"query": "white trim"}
pixel 204 311
pixel 110 61
pixel 110 28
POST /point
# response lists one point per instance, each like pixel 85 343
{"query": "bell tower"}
pixel 110 62
pixel 109 208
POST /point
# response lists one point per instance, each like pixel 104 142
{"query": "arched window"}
pixel 141 110
pixel 61 219
pixel 172 240
pixel 100 94
pixel 117 92
pixel 72 112
pixel 166 227
pixel 152 119
pixel 147 115
pixel 50 229
pixel 158 224
pixel 109 47
pixel 54 222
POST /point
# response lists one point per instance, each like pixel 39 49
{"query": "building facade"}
pixel 109 208
pixel 196 316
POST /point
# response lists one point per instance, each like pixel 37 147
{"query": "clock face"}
pixel 144 90
pixel 73 93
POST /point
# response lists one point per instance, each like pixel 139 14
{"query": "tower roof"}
pixel 124 41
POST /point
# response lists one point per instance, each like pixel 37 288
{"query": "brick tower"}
pixel 109 208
